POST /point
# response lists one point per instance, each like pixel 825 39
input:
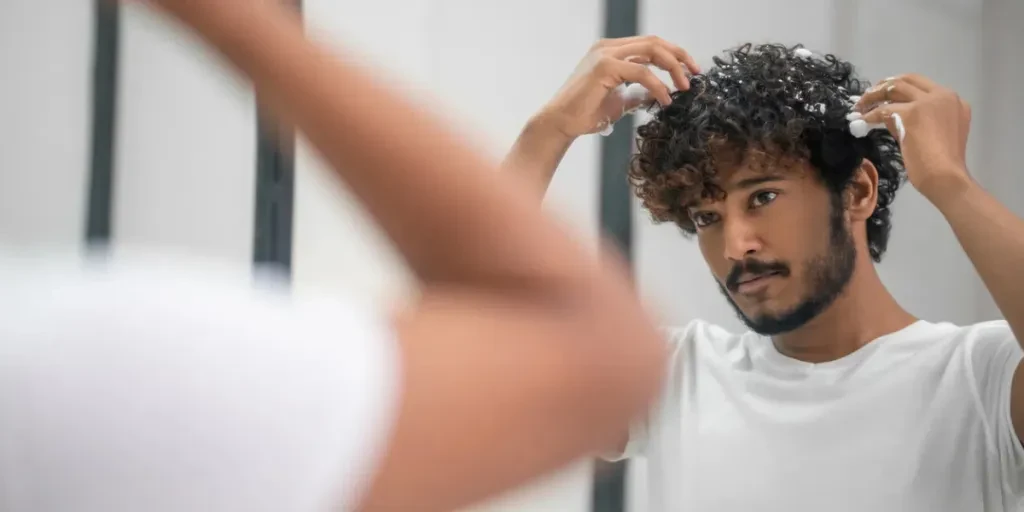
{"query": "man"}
pixel 160 386
pixel 838 398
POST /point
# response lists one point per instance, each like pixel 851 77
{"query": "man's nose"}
pixel 741 239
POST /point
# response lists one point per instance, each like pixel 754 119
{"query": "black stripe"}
pixel 621 20
pixel 275 191
pixel 104 113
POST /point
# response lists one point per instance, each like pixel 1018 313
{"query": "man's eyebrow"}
pixel 745 183
pixel 757 180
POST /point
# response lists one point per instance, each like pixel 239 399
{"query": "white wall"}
pixel 45 109
pixel 186 144
pixel 998 128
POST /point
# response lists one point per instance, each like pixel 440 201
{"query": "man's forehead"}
pixel 758 168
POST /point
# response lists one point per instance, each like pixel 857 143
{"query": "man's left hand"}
pixel 931 124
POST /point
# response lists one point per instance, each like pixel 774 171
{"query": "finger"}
pixel 892 91
pixel 892 116
pixel 639 59
pixel 632 72
pixel 659 56
pixel 621 41
pixel 680 54
pixel 684 57
pixel 921 82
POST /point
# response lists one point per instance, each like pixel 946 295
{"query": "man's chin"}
pixel 769 327
pixel 772 324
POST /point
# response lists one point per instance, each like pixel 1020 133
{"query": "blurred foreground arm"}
pixel 519 328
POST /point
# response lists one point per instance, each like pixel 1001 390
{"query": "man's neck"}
pixel 864 312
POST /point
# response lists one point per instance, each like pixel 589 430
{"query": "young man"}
pixel 837 398
pixel 158 386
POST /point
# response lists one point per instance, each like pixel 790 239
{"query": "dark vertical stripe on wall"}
pixel 275 190
pixel 104 112
pixel 621 20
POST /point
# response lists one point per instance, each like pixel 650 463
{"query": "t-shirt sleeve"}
pixel 995 355
pixel 636 446
pixel 129 393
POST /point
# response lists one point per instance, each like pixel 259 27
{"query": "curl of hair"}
pixel 768 99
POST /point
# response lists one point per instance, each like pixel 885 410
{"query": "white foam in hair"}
pixel 633 97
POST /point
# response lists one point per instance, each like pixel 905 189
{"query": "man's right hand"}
pixel 594 96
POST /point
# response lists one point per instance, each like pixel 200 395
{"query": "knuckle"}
pixel 604 63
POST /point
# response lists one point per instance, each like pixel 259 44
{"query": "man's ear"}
pixel 861 195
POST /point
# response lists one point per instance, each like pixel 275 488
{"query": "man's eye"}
pixel 703 219
pixel 762 198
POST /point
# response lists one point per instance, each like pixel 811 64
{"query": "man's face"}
pixel 777 244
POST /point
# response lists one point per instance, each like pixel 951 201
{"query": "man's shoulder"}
pixel 701 337
pixel 698 329
pixel 981 336
pixel 986 343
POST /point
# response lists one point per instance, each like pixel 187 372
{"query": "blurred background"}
pixel 116 127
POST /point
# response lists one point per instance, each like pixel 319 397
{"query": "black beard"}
pixel 828 276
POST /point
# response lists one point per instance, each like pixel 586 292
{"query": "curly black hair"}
pixel 783 102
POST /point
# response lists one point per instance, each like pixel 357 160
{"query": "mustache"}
pixel 755 268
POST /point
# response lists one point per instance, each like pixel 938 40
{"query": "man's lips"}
pixel 749 278
pixel 752 282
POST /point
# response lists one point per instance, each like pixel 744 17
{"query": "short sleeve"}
pixel 132 391
pixel 636 446
pixel 995 355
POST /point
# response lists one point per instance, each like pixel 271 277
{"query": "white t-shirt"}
pixel 916 421
pixel 160 386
